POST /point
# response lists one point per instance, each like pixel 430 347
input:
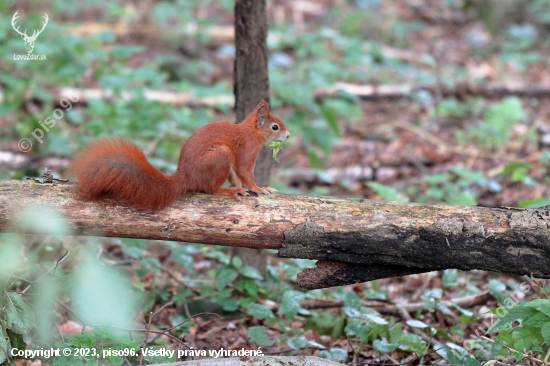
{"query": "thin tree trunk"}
pixel 251 87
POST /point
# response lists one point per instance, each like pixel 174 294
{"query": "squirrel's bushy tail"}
pixel 116 168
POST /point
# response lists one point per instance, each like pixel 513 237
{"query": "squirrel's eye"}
pixel 275 127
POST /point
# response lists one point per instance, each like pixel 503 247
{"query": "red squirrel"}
pixel 116 168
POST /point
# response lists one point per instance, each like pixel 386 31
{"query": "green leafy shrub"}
pixel 496 128
pixel 387 193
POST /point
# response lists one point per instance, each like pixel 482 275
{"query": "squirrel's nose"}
pixel 284 136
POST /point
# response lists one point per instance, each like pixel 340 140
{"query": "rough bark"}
pixel 332 273
pixel 373 239
pixel 251 74
pixel 251 87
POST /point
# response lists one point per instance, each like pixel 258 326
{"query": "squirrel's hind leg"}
pixel 215 168
pixel 234 180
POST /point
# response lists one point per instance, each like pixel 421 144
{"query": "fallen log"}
pixel 219 101
pixel 356 240
pixel 216 35
pixel 459 90
pixel 467 301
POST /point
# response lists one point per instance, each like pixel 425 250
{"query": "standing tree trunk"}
pixel 251 87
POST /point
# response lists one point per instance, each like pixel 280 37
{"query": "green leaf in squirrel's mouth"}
pixel 276 146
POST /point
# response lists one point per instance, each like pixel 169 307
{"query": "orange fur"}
pixel 116 168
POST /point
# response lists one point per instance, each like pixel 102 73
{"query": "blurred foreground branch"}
pixel 356 240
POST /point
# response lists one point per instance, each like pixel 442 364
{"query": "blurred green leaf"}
pixel 290 305
pixel 334 354
pixel 534 203
pixel 258 335
pixel 259 311
pixel 237 262
pixel 225 277
pixel 95 291
pixel 387 193
pixel 251 272
pixel 450 278
pixel 297 343
pixel 19 317
pixel 382 345
pixel 352 300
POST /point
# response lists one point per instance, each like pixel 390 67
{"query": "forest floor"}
pixel 424 147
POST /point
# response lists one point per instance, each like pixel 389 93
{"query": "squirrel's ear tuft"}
pixel 262 112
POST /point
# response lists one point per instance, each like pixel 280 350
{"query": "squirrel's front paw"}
pixel 267 190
